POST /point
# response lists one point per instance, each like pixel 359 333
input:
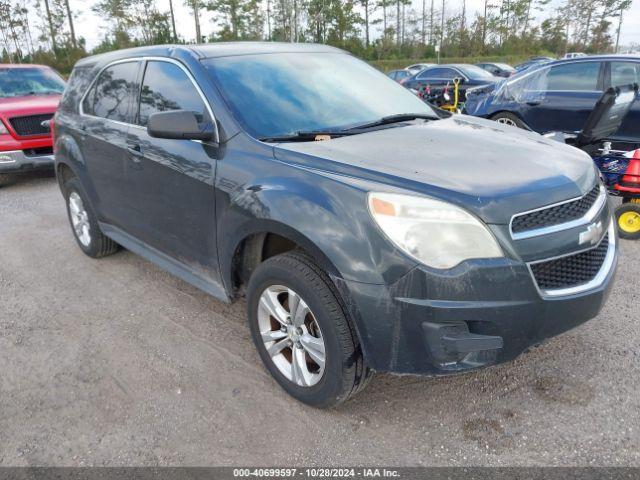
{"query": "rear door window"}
pixel 579 76
pixel 110 97
pixel 439 74
pixel 624 73
pixel 167 87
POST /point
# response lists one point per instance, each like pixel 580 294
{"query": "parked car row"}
pixel 559 95
pixel 542 94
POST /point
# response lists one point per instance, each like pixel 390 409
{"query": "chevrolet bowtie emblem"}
pixel 592 235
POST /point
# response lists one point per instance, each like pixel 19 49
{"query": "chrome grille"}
pixel 572 270
pixel 555 215
pixel 31 125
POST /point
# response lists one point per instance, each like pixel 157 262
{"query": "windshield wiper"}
pixel 311 135
pixel 307 136
pixel 400 117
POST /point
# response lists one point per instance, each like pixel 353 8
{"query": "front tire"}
pixel 84 223
pixel 302 331
pixel 510 119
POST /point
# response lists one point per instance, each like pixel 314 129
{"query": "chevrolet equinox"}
pixel 367 230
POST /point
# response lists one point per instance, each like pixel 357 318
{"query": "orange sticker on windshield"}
pixel 320 138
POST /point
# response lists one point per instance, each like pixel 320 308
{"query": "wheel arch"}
pixel 510 112
pixel 515 114
pixel 260 240
pixel 68 158
pixel 266 238
pixel 64 173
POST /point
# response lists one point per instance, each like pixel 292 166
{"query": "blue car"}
pixel 441 76
pixel 558 96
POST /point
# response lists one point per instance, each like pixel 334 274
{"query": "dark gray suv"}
pixel 368 231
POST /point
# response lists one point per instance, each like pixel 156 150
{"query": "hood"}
pixel 491 169
pixel 28 105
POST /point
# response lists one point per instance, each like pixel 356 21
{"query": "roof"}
pixel 562 61
pixel 22 65
pixel 453 65
pixel 209 50
pixel 610 56
pixel 223 49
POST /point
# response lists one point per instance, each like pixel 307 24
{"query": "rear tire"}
pixel 510 119
pixel 319 342
pixel 628 220
pixel 84 223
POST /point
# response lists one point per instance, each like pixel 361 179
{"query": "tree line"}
pixel 44 30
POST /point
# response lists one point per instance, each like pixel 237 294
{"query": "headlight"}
pixel 3 129
pixel 479 90
pixel 435 233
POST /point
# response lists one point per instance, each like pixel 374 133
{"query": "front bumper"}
pixel 480 313
pixel 22 160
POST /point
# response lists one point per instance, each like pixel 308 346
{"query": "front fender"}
pixel 325 213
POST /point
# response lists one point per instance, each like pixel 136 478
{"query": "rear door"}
pixel 107 111
pixel 622 73
pixel 567 96
pixel 171 182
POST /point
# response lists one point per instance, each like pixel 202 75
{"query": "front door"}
pixel 171 182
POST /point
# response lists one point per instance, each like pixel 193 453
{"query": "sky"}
pixel 93 28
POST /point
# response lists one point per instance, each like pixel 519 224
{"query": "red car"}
pixel 29 96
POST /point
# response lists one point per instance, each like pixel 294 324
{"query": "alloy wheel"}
pixel 291 335
pixel 506 121
pixel 79 219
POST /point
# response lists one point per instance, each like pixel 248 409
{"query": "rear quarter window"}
pixel 111 94
pixel 77 84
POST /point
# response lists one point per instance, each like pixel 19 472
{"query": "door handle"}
pixel 135 153
pixel 533 104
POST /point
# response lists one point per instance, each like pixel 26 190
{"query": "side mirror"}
pixel 180 125
pixel 460 80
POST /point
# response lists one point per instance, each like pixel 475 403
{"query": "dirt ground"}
pixel 115 362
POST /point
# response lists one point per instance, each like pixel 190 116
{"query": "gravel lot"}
pixel 115 362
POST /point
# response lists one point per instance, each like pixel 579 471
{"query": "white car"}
pixel 417 67
pixel 574 55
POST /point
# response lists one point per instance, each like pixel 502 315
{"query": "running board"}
pixel 165 262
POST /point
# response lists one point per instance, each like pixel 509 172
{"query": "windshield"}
pixel 16 82
pixel 476 73
pixel 278 95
